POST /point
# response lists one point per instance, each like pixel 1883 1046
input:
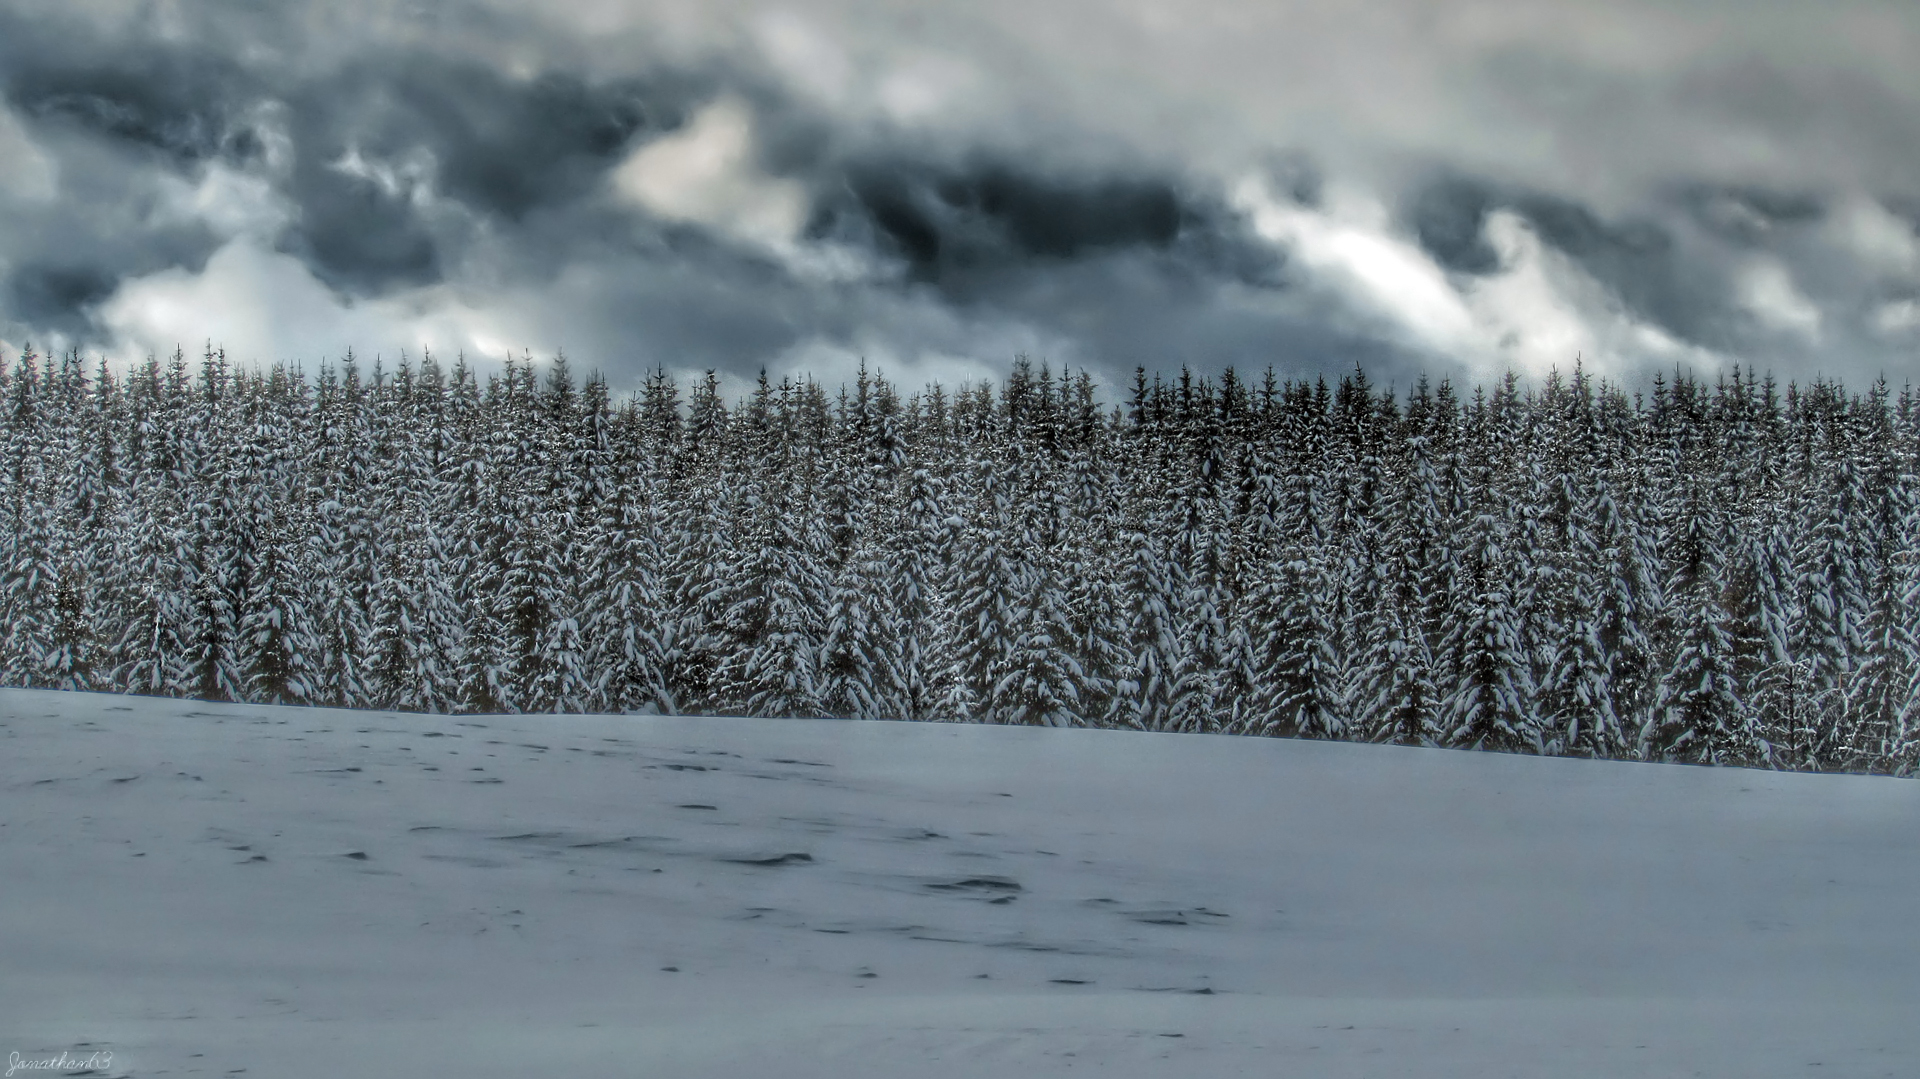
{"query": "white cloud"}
pixel 1528 312
pixel 228 201
pixel 1542 311
pixel 1599 99
pixel 1539 311
pixel 1767 292
pixel 811 61
pixel 1347 248
pixel 1898 319
pixel 410 179
pixel 1883 241
pixel 705 174
pixel 232 201
pixel 906 84
pixel 263 306
pixel 925 86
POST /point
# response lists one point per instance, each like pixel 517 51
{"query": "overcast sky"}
pixel 1446 186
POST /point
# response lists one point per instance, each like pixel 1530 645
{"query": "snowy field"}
pixel 220 890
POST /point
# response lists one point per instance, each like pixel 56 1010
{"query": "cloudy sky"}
pixel 1449 186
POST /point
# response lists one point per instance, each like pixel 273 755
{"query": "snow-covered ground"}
pixel 199 889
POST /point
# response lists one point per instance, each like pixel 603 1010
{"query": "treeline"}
pixel 1725 573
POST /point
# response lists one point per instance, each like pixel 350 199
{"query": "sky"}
pixel 1454 188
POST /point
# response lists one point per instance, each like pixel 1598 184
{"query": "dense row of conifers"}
pixel 1722 573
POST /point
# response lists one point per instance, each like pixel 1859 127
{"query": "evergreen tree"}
pixel 1143 695
pixel 1299 692
pixel 628 607
pixel 1486 708
pixel 1699 715
pixel 1832 607
pixel 987 601
pixel 913 672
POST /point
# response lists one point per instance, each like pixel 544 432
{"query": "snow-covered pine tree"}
pixel 1698 715
pixel 1628 598
pixel 1876 689
pixel 471 502
pixel 540 547
pixel 779 621
pixel 277 642
pixel 414 620
pixel 1089 559
pixel 219 536
pixel 987 597
pixel 83 467
pixel 1487 705
pixel 148 651
pixel 914 672
pixel 30 574
pixel 857 621
pixel 1039 683
pixel 627 609
pixel 703 550
pixel 1404 704
pixel 339 544
pixel 1143 694
pixel 1201 659
pixel 1300 688
pixel 1400 701
pixel 1827 638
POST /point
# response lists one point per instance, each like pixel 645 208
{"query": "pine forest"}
pixel 1724 572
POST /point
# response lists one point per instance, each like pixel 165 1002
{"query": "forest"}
pixel 1721 572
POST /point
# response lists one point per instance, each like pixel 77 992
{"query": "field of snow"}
pixel 217 890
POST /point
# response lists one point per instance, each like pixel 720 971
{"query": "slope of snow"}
pixel 199 889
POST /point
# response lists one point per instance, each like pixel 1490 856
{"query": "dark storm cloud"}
pixel 978 231
pixel 175 103
pixel 63 257
pixel 502 146
pixel 1124 289
pixel 1633 257
pixel 1449 216
pixel 497 147
pixel 1748 214
pixel 997 215
pixel 56 296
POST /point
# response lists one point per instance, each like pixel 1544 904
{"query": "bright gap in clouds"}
pixel 262 306
pixel 705 174
pixel 1348 249
pixel 1541 311
pixel 1768 293
pixel 1536 312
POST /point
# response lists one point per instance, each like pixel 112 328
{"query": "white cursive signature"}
pixel 96 1061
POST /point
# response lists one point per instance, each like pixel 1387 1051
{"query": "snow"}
pixel 200 888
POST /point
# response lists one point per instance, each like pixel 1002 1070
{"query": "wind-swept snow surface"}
pixel 199 889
